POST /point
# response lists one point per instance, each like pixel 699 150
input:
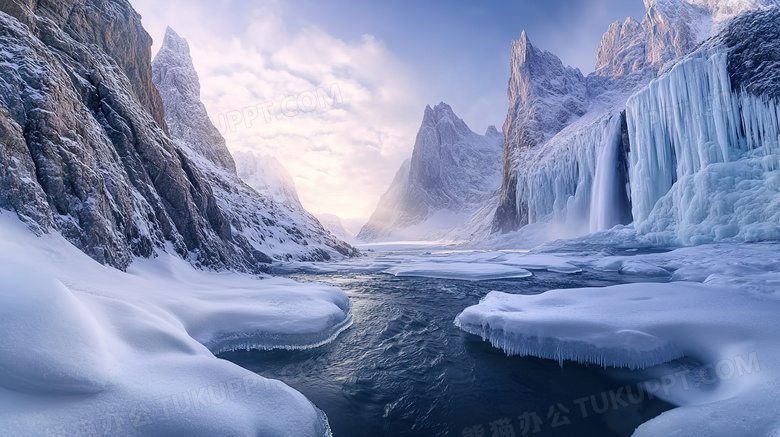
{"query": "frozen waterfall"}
pixel 703 157
pixel 609 201
pixel 576 178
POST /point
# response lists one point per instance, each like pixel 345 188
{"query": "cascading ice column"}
pixel 699 152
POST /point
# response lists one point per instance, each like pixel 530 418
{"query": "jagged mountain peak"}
pixel 492 131
pixel 174 74
pixel 721 9
pixel 442 118
pixel 453 170
pixel 439 112
pixel 176 44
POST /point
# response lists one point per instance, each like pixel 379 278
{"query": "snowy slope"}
pixel 658 154
pixel 90 350
pixel 268 223
pixel 452 173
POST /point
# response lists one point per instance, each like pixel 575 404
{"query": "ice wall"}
pixel 576 181
pixel 703 157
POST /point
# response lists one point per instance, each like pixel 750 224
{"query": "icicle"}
pixel 693 140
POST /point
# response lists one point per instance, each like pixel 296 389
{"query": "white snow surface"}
pixel 90 350
pixel 719 311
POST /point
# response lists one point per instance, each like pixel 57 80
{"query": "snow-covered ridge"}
pixel 450 175
pixel 268 177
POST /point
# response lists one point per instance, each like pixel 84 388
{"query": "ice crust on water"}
pixel 84 344
pixel 460 270
pixel 474 266
pixel 547 326
pixel 730 317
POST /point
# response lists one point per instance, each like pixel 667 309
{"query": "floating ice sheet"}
pixel 728 324
pixel 460 270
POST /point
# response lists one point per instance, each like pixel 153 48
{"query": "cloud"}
pixel 340 115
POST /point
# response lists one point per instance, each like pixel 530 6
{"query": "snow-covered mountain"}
pixel 335 226
pixel 268 177
pixel 453 171
pixel 87 150
pixel 266 215
pixel 678 120
pixel 177 81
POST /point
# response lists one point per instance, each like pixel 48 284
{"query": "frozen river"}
pixel 404 369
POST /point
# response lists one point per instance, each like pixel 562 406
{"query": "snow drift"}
pixel 87 349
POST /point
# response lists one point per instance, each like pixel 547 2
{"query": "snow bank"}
pixel 89 350
pixel 729 320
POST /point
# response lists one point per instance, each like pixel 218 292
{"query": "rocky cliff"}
pixel 85 149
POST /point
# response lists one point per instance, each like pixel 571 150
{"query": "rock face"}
pixel 452 172
pixel 84 144
pixel 544 97
pixel 114 26
pixel 543 149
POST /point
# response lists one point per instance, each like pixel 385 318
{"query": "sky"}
pixel 336 90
